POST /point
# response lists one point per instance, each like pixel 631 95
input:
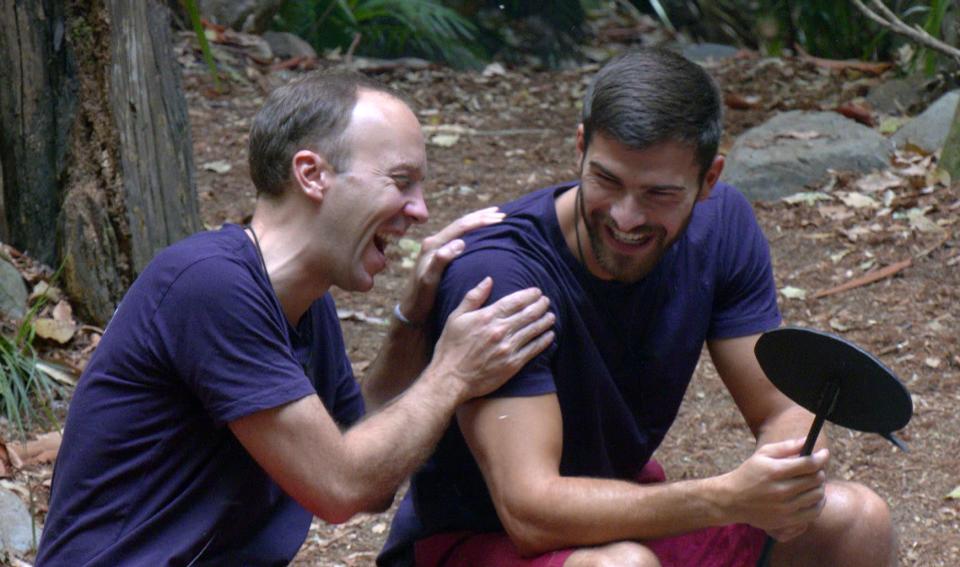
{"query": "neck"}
pixel 573 228
pixel 296 281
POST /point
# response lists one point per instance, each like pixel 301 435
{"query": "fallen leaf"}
pixel 62 311
pixel 44 289
pixel 807 198
pixel 218 166
pixel 741 102
pixel 954 494
pixel 840 255
pixel 854 233
pixel 791 292
pixel 858 201
pixel 890 124
pixel 804 135
pixel 835 212
pixel 494 70
pixel 445 140
pixel 837 325
pixel 43 449
pixel 351 315
pixel 938 176
pixel 856 112
pixel 59 331
pixel 880 181
pixel 922 223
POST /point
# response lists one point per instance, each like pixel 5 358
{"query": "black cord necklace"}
pixel 256 243
pixel 576 224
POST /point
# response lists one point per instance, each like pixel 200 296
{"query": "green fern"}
pixel 386 28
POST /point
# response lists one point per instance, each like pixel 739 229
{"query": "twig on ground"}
pixel 867 278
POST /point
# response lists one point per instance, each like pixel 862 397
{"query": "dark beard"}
pixel 633 271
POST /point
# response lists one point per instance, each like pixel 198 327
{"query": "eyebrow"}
pixel 614 177
pixel 597 165
pixel 407 170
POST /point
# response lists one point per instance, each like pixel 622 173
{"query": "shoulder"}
pixel 206 269
pixel 723 219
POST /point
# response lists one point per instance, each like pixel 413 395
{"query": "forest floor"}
pixel 513 131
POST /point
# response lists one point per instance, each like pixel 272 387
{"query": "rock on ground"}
pixel 907 95
pixel 13 292
pixel 795 149
pixel 707 52
pixel 287 45
pixel 16 525
pixel 929 130
pixel 243 15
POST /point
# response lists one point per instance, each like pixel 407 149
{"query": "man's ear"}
pixel 312 174
pixel 711 177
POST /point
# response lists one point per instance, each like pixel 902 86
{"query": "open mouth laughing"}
pixel 630 239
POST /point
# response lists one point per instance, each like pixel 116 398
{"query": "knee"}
pixel 861 512
pixel 861 524
pixel 620 554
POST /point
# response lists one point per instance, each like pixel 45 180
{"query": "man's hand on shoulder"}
pixel 436 253
pixel 482 347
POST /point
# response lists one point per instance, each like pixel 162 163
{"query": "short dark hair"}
pixel 648 96
pixel 311 112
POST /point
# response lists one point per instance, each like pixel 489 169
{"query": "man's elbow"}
pixel 340 504
pixel 527 531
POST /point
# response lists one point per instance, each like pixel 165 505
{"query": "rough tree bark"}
pixel 95 145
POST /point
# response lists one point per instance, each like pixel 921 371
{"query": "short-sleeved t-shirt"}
pixel 148 472
pixel 623 355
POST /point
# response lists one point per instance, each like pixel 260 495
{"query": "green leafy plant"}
pixel 26 391
pixel 933 25
pixel 193 11
pixel 387 28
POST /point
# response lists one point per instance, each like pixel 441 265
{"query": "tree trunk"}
pixel 96 150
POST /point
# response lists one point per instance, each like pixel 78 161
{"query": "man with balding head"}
pixel 219 412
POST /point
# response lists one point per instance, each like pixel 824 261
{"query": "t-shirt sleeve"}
pixel 745 301
pixel 510 273
pixel 337 386
pixel 226 340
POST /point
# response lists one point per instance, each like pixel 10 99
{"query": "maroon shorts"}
pixel 736 545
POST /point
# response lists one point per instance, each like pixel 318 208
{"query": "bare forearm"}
pixel 792 423
pixel 401 359
pixel 574 511
pixel 386 447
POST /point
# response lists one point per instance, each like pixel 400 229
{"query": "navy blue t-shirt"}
pixel 623 355
pixel 148 472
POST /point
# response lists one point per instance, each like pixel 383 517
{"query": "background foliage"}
pixel 468 33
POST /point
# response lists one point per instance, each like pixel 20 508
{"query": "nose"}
pixel 416 207
pixel 628 212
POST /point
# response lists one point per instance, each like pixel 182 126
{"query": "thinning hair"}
pixel 312 112
pixel 649 96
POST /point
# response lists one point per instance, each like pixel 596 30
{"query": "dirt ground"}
pixel 515 132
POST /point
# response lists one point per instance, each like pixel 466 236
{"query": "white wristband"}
pixel 403 318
